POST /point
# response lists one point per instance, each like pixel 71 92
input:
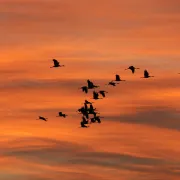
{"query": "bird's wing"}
pixel 56 63
pixel 117 77
pixel 89 82
pixel 146 74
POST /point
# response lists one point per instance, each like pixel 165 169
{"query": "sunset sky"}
pixel 139 137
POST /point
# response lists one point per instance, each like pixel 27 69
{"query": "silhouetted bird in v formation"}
pixel 132 68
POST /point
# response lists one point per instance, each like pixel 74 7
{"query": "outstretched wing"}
pixel 56 63
pixel 102 93
pixel 146 74
pixel 117 77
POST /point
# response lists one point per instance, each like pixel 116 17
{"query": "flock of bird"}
pixel 87 111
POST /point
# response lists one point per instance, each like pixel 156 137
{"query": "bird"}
pixel 93 120
pixel 83 125
pixel 102 93
pixel 118 78
pixel 112 83
pixel 132 68
pixel 96 95
pixel 85 107
pixel 146 74
pixel 96 118
pixel 91 108
pixel 87 102
pixel 95 114
pixel 91 85
pixel 84 89
pixel 83 111
pixel 42 118
pixel 84 120
pixel 61 114
pixel 56 63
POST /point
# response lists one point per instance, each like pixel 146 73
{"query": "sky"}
pixel 95 39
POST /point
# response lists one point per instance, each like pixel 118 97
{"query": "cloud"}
pixel 162 117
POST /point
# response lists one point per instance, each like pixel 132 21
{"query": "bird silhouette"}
pixel 118 78
pixel 84 89
pixel 112 83
pixel 42 118
pixel 62 115
pixel 83 125
pixel 87 102
pixel 84 120
pixel 56 63
pixel 92 120
pixel 97 118
pixel 83 111
pixel 103 93
pixel 132 68
pixel 96 95
pixel 91 109
pixel 91 85
pixel 146 74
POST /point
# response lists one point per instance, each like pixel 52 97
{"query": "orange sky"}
pixel 139 136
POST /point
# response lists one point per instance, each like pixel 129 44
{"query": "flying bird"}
pixel 118 78
pixel 112 83
pixel 84 120
pixel 96 95
pixel 62 115
pixel 83 125
pixel 146 74
pixel 56 63
pixel 84 89
pixel 132 68
pixel 87 102
pixel 91 85
pixel 42 118
pixel 91 108
pixel 103 93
